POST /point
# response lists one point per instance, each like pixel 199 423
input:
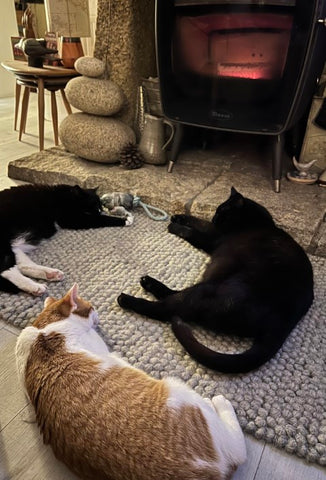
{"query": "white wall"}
pixel 88 43
pixel 8 28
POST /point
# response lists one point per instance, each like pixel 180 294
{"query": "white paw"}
pixel 54 275
pixel 225 410
pixel 129 219
pixel 38 289
pixel 209 403
pixel 221 403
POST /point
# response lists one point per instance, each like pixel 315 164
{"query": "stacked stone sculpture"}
pixel 94 133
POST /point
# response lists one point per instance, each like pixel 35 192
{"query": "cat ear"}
pixel 77 191
pixel 236 198
pixel 234 192
pixel 72 295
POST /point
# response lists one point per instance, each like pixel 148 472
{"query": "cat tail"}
pixel 260 352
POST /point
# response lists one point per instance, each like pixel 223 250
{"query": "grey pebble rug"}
pixel 283 402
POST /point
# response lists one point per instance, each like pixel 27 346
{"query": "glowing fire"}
pixel 234 45
pixel 251 71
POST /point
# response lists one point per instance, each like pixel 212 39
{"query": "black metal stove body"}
pixel 241 66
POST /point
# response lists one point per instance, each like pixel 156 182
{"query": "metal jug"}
pixel 152 143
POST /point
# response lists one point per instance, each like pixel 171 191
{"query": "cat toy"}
pixel 117 203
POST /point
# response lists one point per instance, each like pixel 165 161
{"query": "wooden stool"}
pixel 52 85
pixel 39 79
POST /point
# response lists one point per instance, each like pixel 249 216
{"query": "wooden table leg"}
pixel 65 101
pixel 23 116
pixel 54 112
pixel 26 108
pixel 40 89
pixel 17 98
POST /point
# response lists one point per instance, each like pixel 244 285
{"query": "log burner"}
pixel 240 66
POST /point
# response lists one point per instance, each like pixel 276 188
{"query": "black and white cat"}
pixel 259 284
pixel 30 213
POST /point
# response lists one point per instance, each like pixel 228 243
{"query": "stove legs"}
pixel 277 155
pixel 176 144
pixel 277 162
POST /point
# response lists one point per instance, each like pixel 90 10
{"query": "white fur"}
pixel 26 284
pixel 233 445
pixel 32 269
pixel 224 427
pixel 80 336
pixel 23 346
pixel 25 267
pixel 129 219
pixel 21 243
pixel 120 211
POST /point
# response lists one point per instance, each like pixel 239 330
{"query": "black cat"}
pixel 258 284
pixel 30 213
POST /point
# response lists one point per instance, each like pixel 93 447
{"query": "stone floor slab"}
pixel 200 181
pixel 153 184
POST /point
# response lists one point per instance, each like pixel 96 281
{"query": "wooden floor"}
pixel 22 454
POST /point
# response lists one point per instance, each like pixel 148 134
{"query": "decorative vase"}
pixel 152 143
pixel 71 49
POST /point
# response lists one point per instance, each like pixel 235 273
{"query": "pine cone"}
pixel 130 157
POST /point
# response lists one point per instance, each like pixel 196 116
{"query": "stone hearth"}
pixel 201 180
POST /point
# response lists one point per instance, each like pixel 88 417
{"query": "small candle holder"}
pixel 302 174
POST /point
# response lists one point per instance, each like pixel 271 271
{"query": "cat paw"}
pixel 221 404
pixel 225 410
pixel 155 287
pixel 147 282
pixel 174 228
pixel 54 275
pixel 209 402
pixel 179 230
pixel 38 289
pixel 125 300
pixel 129 219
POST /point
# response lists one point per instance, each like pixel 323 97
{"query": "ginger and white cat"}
pixel 108 420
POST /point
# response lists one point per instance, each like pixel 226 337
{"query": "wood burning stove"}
pixel 240 66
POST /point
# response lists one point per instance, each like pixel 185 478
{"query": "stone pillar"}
pixel 125 40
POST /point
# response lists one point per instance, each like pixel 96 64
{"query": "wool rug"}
pixel 283 402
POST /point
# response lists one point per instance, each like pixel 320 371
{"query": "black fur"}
pixel 33 211
pixel 258 284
